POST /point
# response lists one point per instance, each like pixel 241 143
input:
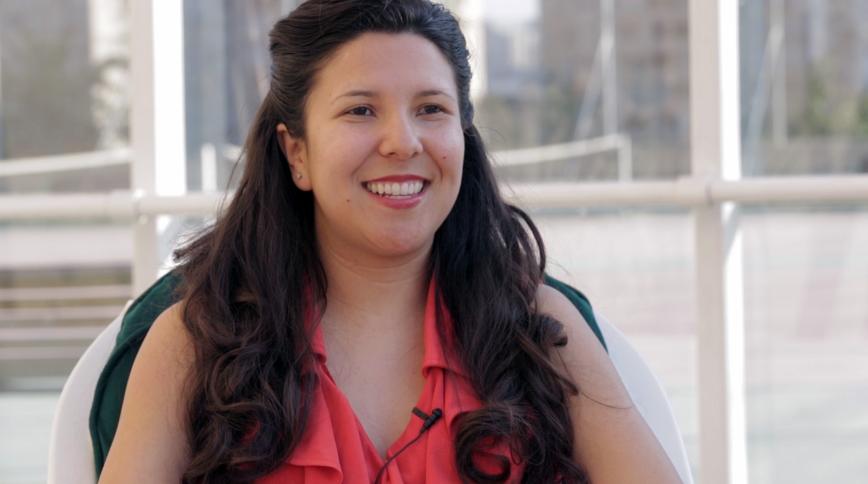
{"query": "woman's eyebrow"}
pixel 355 93
pixel 372 94
pixel 434 92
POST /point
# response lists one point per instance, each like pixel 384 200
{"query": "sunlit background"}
pixel 605 82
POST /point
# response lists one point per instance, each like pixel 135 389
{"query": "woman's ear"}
pixel 295 153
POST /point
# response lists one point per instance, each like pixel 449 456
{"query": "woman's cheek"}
pixel 451 150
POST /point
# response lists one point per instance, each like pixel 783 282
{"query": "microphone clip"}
pixel 428 420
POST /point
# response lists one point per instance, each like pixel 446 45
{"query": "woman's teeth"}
pixel 395 189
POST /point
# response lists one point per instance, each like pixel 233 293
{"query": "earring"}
pixel 298 176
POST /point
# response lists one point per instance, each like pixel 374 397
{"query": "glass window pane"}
pixel 806 307
pixel 64 89
pixel 543 75
pixel 227 67
pixel 556 71
pixel 25 418
pixel 60 285
pixel 637 269
pixel 804 87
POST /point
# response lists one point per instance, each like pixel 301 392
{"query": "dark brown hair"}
pixel 245 280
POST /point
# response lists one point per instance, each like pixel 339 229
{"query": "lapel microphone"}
pixel 427 422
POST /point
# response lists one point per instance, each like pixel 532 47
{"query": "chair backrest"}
pixel 647 395
pixel 70 451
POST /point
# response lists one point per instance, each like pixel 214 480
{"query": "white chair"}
pixel 70 450
pixel 648 396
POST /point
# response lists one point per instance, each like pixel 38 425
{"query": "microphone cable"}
pixel 429 420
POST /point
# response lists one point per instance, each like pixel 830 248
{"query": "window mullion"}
pixel 156 121
pixel 716 155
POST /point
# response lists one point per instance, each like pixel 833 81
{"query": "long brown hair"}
pixel 246 278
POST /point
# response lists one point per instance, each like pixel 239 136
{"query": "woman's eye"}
pixel 431 109
pixel 360 111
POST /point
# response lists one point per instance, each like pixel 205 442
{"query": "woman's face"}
pixel 384 146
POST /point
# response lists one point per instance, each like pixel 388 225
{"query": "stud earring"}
pixel 298 176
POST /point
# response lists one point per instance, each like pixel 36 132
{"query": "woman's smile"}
pixel 384 149
pixel 397 191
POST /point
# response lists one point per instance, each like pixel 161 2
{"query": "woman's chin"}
pixel 402 247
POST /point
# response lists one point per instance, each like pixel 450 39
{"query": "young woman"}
pixel 368 308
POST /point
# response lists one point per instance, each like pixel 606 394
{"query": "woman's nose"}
pixel 400 139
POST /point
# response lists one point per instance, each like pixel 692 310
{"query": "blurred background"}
pixel 602 84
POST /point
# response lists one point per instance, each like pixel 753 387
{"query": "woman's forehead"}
pixel 381 64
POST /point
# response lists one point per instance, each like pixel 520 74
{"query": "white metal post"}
pixel 609 59
pixel 716 154
pixel 778 28
pixel 472 14
pixel 625 158
pixel 157 120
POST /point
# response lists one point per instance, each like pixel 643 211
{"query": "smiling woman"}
pixel 368 308
pixel 382 119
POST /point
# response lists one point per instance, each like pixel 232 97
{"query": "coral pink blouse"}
pixel 336 449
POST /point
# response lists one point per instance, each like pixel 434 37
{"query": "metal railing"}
pixel 580 148
pixel 62 163
pixel 684 192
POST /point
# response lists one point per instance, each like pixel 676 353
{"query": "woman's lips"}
pixel 397 195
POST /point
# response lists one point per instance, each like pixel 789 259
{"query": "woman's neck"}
pixel 374 294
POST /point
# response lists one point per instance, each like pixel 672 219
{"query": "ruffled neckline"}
pixel 335 447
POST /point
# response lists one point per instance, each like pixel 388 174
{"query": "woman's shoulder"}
pixel 611 438
pixel 583 358
pixel 554 303
pixel 151 438
pixel 168 336
pixel 166 355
